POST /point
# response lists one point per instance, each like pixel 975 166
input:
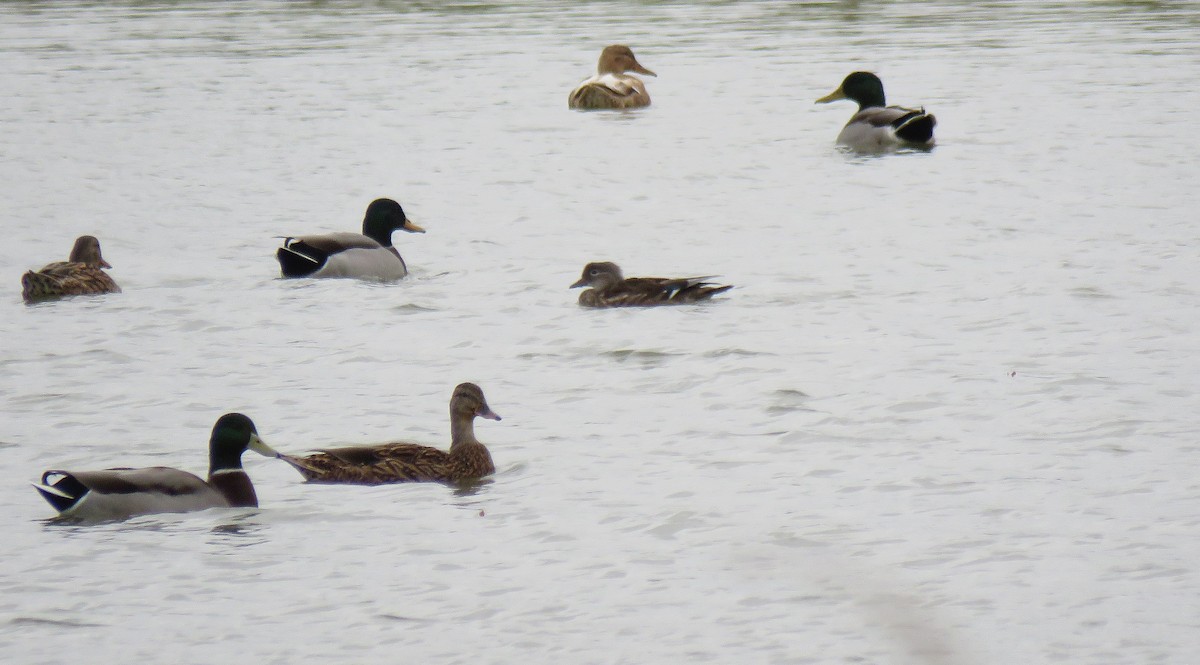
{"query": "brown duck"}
pixel 611 87
pixel 467 458
pixel 611 289
pixel 81 274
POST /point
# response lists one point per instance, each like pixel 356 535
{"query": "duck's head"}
pixel 468 402
pixel 87 250
pixel 231 436
pixel 618 59
pixel 599 275
pixel 384 216
pixel 863 87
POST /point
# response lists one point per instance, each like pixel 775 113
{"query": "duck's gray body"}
pixel 345 254
pixel 120 493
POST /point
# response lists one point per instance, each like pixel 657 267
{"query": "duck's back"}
pixel 374 465
pixel 66 278
pixel 649 291
pixel 609 91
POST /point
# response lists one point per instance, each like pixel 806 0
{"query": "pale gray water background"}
pixel 948 415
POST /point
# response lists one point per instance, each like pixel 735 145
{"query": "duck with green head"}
pixel 123 492
pixel 876 126
pixel 366 255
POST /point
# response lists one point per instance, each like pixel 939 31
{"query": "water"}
pixel 948 415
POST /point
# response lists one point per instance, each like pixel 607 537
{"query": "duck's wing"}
pixel 671 290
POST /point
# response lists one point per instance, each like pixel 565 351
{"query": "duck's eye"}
pixel 593 272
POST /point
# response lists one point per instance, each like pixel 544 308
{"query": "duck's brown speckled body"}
pixel 82 274
pixel 467 458
pixel 609 288
pixel 611 87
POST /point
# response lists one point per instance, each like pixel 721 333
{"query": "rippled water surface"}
pixel 948 415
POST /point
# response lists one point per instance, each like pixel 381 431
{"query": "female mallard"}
pixel 467 458
pixel 81 274
pixel 368 255
pixel 124 492
pixel 611 87
pixel 877 126
pixel 611 289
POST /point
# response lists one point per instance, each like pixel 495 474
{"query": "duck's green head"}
pixel 384 216
pixel 863 87
pixel 231 436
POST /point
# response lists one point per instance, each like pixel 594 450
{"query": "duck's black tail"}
pixel 64 492
pixel 916 127
pixel 297 259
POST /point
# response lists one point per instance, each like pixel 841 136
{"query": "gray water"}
pixel 947 415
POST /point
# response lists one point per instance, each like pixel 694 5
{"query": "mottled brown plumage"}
pixel 611 87
pixel 610 289
pixel 81 274
pixel 467 458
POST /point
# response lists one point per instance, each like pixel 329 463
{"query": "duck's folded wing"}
pixel 607 86
pixel 384 453
pixel 355 455
pixel 330 243
pixel 154 480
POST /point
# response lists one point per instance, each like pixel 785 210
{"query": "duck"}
pixel 611 87
pixel 400 462
pixel 366 255
pixel 123 492
pixel 82 273
pixel 609 288
pixel 876 126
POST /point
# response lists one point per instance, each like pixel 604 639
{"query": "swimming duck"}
pixel 611 87
pixel 876 126
pixel 123 492
pixel 80 274
pixel 609 288
pixel 366 255
pixel 467 458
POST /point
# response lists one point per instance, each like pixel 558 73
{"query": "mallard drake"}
pixel 877 126
pixel 366 255
pixel 125 492
pixel 611 87
pixel 467 458
pixel 609 288
pixel 80 274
